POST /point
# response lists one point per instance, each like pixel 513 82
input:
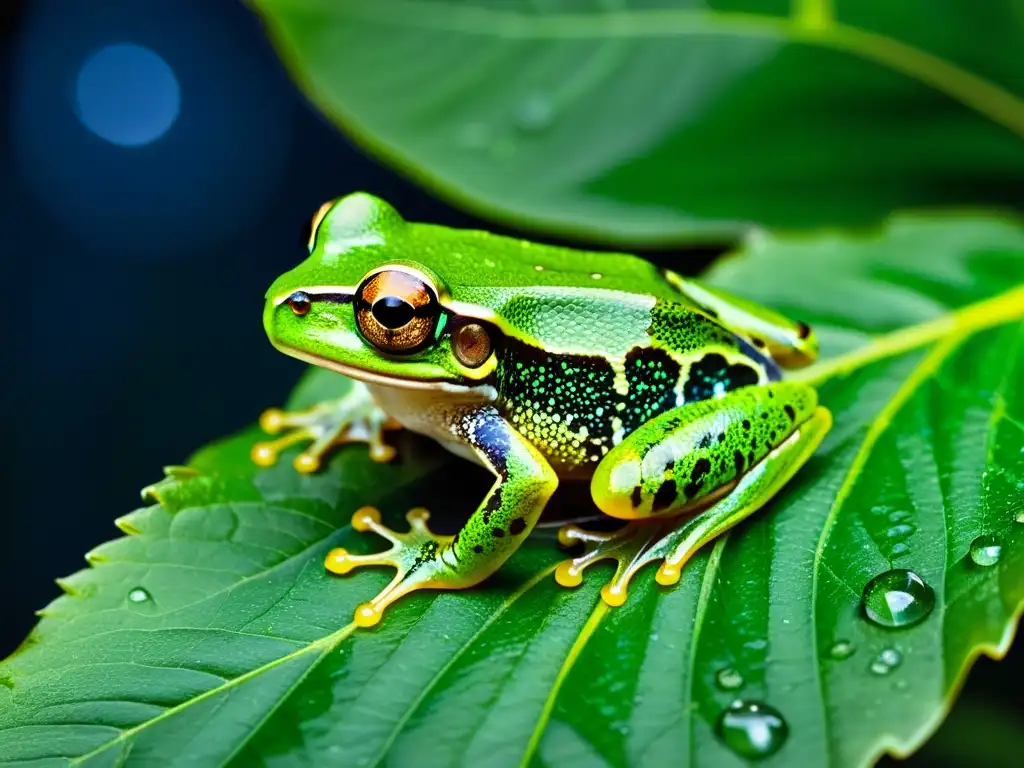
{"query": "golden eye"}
pixel 315 224
pixel 471 344
pixel 396 312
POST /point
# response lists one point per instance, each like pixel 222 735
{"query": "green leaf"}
pixel 212 634
pixel 640 123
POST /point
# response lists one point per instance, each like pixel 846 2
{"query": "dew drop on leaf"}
pixel 842 649
pixel 139 595
pixel 535 113
pixel 886 662
pixel 985 550
pixel 729 679
pixel 897 598
pixel 474 136
pixel 751 729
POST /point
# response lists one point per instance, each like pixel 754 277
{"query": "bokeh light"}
pixel 147 130
pixel 127 95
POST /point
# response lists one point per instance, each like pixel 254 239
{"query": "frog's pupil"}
pixel 392 312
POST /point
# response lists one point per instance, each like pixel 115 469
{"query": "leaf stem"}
pixel 999 309
pixel 813 14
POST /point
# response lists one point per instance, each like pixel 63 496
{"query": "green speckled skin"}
pixel 599 366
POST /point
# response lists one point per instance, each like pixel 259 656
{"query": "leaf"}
pixel 211 634
pixel 637 123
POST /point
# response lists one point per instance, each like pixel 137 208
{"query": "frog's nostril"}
pixel 299 302
pixel 392 312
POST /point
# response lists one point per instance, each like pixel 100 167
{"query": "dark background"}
pixel 134 280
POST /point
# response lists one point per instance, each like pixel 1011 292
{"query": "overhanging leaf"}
pixel 647 123
pixel 212 635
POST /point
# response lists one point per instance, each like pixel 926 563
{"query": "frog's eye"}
pixel 396 312
pixel 299 302
pixel 471 344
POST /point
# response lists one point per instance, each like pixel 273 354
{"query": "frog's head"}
pixel 358 307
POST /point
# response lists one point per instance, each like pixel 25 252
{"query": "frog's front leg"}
pixel 353 418
pixel 425 560
pixel 692 473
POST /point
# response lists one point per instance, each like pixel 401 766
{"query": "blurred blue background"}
pixel 160 171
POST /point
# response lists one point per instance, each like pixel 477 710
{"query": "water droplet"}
pixel 985 550
pixel 729 679
pixel 535 114
pixel 539 267
pixel 596 275
pixel 752 729
pixel 899 531
pixel 899 548
pixel 139 595
pixel 756 645
pixel 897 598
pixel 886 661
pixel 474 135
pixel 1020 517
pixel 842 649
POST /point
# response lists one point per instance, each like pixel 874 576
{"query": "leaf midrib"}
pixel 806 25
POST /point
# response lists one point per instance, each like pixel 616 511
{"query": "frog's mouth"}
pixel 485 392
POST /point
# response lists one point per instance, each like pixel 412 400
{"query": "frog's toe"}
pixel 416 557
pixel 354 418
pixel 266 453
pixel 631 547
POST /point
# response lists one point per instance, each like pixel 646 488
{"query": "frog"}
pixel 545 365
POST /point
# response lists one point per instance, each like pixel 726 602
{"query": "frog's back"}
pixel 477 261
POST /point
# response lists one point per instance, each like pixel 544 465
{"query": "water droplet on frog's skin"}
pixel 985 550
pixel 139 595
pixel 897 598
pixel 535 114
pixel 729 679
pixel 886 662
pixel 751 729
pixel 842 649
pixel 1020 517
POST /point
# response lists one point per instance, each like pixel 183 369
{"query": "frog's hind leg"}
pixel 692 517
pixel 790 343
pixel 353 418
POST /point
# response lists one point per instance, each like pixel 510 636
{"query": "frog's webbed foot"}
pixel 674 540
pixel 632 547
pixel 418 557
pixel 354 418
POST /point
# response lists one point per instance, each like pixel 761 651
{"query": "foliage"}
pixel 211 634
pixel 653 122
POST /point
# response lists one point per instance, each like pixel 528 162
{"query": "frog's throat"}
pixel 485 392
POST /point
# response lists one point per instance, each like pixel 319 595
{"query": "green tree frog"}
pixel 541 364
